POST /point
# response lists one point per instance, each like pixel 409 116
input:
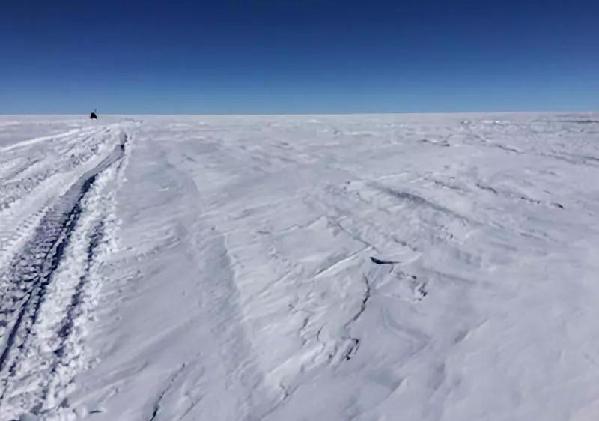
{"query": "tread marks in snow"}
pixel 26 285
pixel 49 242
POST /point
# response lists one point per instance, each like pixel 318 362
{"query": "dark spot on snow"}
pixel 460 336
pixel 422 291
pixel 353 348
pixel 506 148
pixel 487 188
pixel 377 261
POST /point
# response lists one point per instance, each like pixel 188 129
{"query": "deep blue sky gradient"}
pixel 262 56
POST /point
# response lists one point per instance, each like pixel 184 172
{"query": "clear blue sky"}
pixel 310 56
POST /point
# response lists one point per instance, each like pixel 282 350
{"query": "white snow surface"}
pixel 358 267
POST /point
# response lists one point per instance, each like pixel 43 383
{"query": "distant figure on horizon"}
pixel 93 115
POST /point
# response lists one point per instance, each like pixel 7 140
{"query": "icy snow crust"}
pixel 363 267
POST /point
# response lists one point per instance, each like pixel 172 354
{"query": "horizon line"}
pixel 307 114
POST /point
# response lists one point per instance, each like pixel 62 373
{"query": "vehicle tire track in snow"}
pixel 46 174
pixel 26 285
pixel 67 324
pixel 65 158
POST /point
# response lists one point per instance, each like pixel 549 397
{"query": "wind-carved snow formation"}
pixel 364 267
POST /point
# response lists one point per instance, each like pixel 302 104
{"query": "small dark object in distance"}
pixel 93 115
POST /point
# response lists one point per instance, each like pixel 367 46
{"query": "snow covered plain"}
pixel 376 267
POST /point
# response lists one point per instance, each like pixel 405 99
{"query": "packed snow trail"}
pixel 40 307
pixel 413 267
